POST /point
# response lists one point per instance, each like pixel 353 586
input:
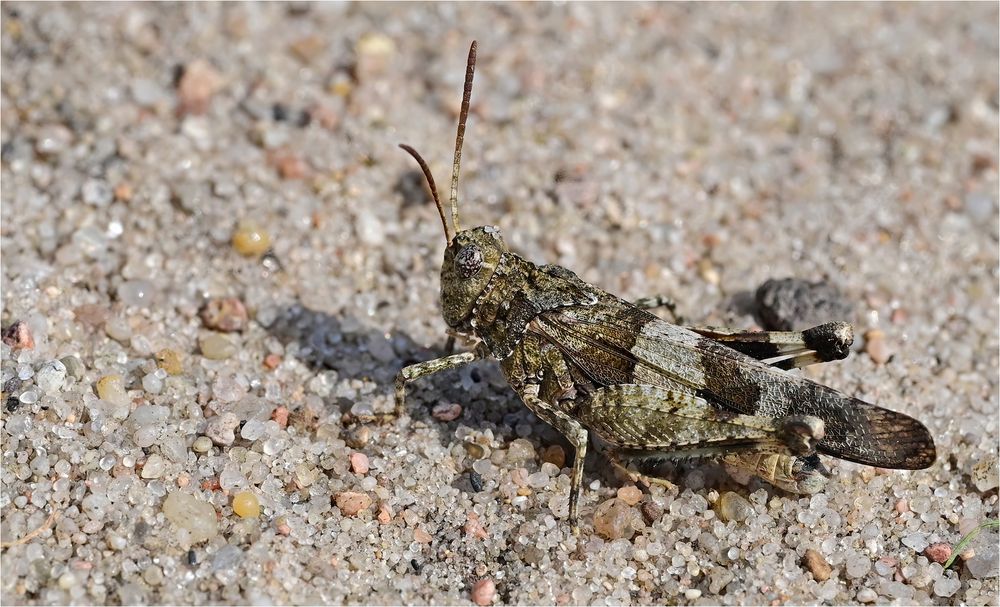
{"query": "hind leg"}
pixel 660 301
pixel 625 466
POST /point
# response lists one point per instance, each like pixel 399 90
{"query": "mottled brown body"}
pixel 595 366
pixel 548 327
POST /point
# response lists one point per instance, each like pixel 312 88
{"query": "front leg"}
pixel 575 433
pixel 416 371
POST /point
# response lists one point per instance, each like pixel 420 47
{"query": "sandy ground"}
pixel 689 150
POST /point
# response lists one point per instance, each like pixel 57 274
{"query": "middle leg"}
pixel 575 433
pixel 788 349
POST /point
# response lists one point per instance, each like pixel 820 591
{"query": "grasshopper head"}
pixel 469 263
pixel 472 255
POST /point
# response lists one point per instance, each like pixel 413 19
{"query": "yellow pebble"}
pixel 112 389
pixel 250 239
pixel 246 505
pixel 170 361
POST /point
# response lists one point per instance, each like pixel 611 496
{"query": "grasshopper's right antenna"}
pixel 470 69
pixel 430 182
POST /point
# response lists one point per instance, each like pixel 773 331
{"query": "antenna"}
pixel 430 181
pixel 470 69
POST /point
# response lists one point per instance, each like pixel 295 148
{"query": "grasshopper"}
pixel 597 367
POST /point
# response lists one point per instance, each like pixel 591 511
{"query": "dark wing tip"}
pixel 886 439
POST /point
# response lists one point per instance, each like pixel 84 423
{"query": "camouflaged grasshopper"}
pixel 595 366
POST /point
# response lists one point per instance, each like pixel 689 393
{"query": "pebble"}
pixel 651 512
pixel 118 329
pixel 984 474
pixel 359 463
pixel 475 450
pixel 877 347
pixel 483 592
pixel 18 336
pixel 692 594
pixel 280 416
pixel 146 92
pixel 938 552
pixel 112 389
pixel 289 163
pixel 358 437
pixel 520 450
pixel 947 586
pixel 421 536
pixel 152 382
pixel 246 505
pixel 153 575
pixel 867 595
pixel 202 444
pixel 197 85
pixel 857 565
pixel 253 429
pixel 228 557
pixel 50 376
pixel 474 527
pixel 538 480
pixel 97 192
pixel 384 513
pixel 74 367
pixel 170 361
pixel 136 293
pixel 221 428
pixel 979 206
pixel 733 507
pixel 251 240
pixel 123 192
pixel 816 564
pixel 630 494
pixel 216 347
pixel 148 415
pixel 154 467
pixel 555 455
pixel 476 480
pixel 325 115
pixel 373 51
pixel 352 502
pixel 272 361
pixel 446 412
pixel 915 541
pixel 985 563
pixel 281 526
pixel 792 304
pixel 614 519
pixel 308 47
pixel 28 397
pixel 370 229
pixel 193 514
pixel 67 580
pixel 53 139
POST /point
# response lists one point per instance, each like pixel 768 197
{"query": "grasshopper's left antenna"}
pixel 470 69
pixel 430 181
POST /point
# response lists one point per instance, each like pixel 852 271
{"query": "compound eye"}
pixel 468 261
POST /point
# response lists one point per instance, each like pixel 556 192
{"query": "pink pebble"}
pixel 939 553
pixel 483 592
pixel 359 463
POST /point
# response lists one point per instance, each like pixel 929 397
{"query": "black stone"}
pixel 476 480
pixel 791 304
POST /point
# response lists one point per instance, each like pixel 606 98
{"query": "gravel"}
pixel 157 158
